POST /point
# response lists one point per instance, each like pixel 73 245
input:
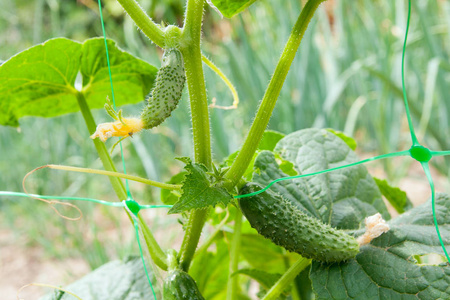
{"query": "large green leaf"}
pixel 132 77
pixel 386 268
pixel 40 81
pixel 230 8
pixel 342 198
pixel 116 280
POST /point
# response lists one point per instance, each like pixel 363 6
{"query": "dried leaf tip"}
pixel 375 226
pixel 122 128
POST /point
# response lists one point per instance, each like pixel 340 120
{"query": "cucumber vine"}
pixel 318 223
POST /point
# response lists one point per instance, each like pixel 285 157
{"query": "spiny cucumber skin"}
pixel 168 89
pixel 179 285
pixel 286 225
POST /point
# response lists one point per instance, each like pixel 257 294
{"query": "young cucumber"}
pixel 286 225
pixel 167 92
pixel 178 285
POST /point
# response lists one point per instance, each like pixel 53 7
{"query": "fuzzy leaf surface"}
pixel 229 8
pixel 198 191
pixel 386 268
pixel 341 198
pixel 41 81
pixel 116 280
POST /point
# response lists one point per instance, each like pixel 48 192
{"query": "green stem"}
pixel 144 22
pixel 156 252
pixel 103 153
pixel 161 185
pixel 287 278
pixel 200 118
pixel 233 284
pixel 194 228
pixel 196 81
pixel 271 95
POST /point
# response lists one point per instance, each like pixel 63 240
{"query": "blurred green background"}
pixel 346 76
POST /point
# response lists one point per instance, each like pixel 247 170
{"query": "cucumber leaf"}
pixel 198 190
pixel 41 81
pixel 386 268
pixel 229 8
pixel 270 139
pixel 116 280
pixel 396 197
pixel 348 140
pixel 341 198
pixel 132 77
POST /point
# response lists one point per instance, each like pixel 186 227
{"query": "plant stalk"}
pixel 157 254
pixel 144 22
pixel 272 93
pixel 190 41
pixel 286 279
pixel 155 250
pixel 233 283
pixel 103 153
pixel 161 185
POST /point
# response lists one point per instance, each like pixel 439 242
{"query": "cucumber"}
pixel 286 225
pixel 168 89
pixel 178 285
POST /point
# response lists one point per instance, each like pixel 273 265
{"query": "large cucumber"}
pixel 178 285
pixel 168 89
pixel 286 225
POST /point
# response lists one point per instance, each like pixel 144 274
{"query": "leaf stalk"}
pixel 272 93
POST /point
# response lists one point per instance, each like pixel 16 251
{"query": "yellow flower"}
pixel 123 128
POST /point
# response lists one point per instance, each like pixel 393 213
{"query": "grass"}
pixel 346 76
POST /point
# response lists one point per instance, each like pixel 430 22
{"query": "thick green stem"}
pixel 194 228
pixel 143 21
pixel 196 81
pixel 200 117
pixel 286 279
pixel 155 251
pixel 232 286
pixel 271 95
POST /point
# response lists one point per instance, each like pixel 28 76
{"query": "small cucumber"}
pixel 168 89
pixel 178 285
pixel 286 225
